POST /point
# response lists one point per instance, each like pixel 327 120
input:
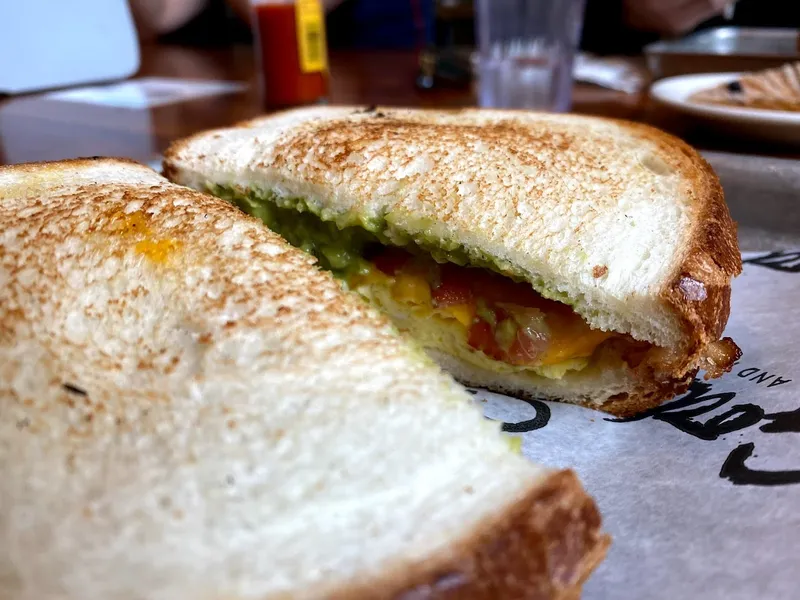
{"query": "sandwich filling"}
pixel 460 301
pixel 447 299
pixel 475 314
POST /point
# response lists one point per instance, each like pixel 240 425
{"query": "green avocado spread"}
pixel 341 241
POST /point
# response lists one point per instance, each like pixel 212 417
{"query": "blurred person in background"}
pixel 626 26
pixel 610 26
pixel 351 23
pixel 192 22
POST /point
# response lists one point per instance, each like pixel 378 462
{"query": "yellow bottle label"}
pixel 312 47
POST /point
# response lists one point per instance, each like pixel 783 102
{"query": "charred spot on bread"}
pixel 735 87
pixel 74 389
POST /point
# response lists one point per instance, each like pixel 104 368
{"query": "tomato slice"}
pixel 481 337
pixel 497 288
pixel 449 295
pixel 391 260
pixel 453 289
pixel 527 348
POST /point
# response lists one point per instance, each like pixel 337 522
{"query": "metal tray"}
pixel 761 193
pixel 723 49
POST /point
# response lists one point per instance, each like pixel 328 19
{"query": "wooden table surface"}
pixel 33 128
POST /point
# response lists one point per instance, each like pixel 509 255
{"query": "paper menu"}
pixel 702 495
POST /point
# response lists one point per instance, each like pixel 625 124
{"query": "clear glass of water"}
pixel 525 52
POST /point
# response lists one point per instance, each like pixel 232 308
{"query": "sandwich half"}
pixel 557 256
pixel 190 409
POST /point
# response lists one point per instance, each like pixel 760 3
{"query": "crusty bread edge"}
pixel 543 546
pixel 641 392
pixel 711 256
pixel 84 161
pixel 711 253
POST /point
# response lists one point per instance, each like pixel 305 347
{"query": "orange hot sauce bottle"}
pixel 292 51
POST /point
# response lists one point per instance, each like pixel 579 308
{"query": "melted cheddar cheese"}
pixel 406 298
pixel 134 227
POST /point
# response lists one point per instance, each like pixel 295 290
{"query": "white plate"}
pixel 772 125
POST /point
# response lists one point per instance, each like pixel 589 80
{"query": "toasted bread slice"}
pixel 772 89
pixel 624 223
pixel 189 409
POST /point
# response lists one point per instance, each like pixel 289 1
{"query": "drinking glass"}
pixel 525 52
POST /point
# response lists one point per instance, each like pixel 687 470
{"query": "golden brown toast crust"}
pixel 700 288
pixel 712 257
pixel 543 549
